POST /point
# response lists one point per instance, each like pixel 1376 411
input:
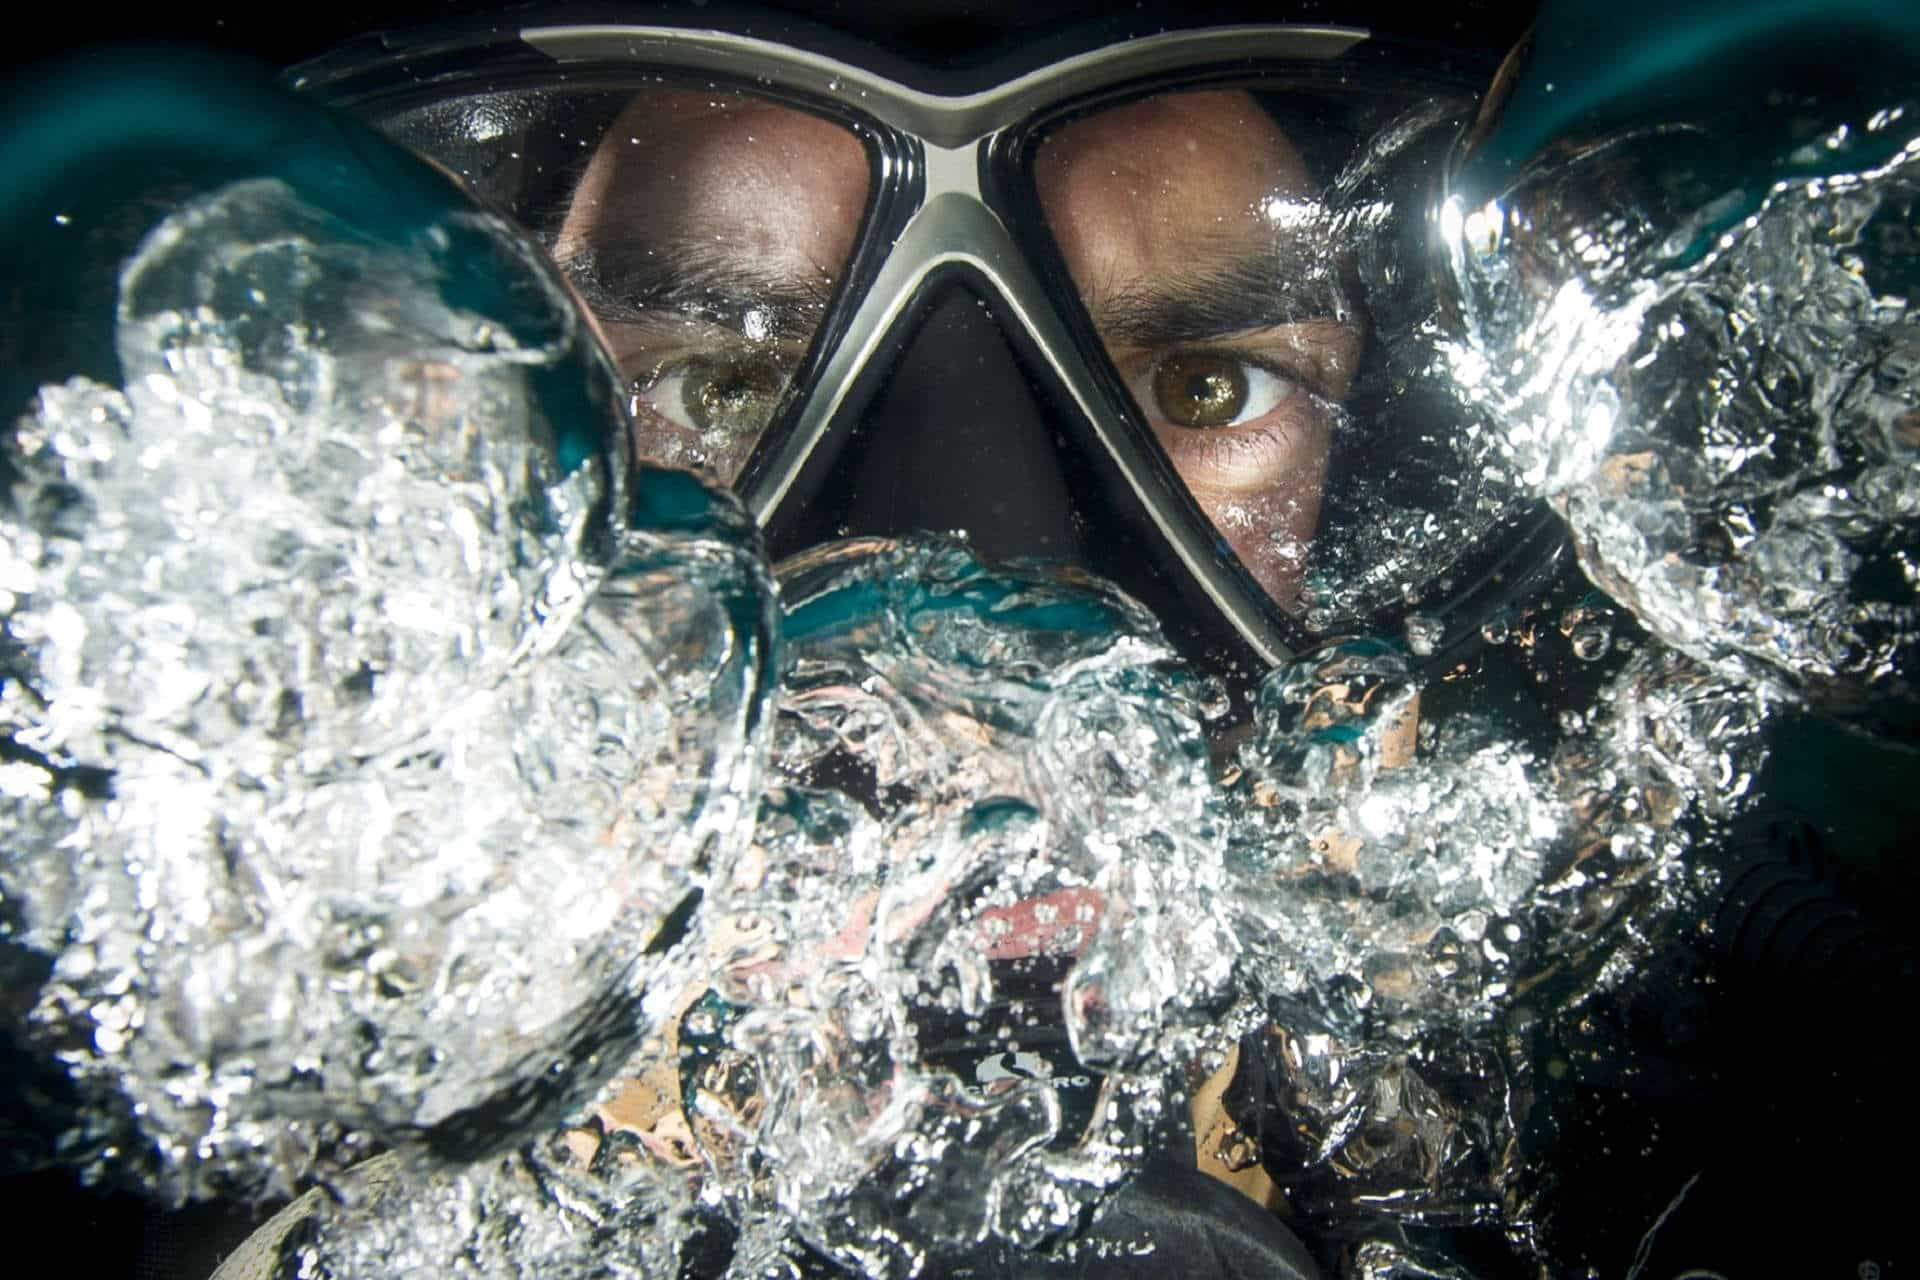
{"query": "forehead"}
pixel 1206 146
pixel 1147 183
pixel 1165 129
pixel 746 173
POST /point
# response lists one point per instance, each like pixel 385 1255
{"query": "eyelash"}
pixel 1296 382
pixel 660 381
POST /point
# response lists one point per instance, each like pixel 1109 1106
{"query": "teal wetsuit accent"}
pixel 101 148
pixel 1600 66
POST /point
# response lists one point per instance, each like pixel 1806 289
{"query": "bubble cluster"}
pixel 384 770
pixel 993 778
pixel 1422 493
pixel 966 858
pixel 1402 898
pixel 1709 366
pixel 303 623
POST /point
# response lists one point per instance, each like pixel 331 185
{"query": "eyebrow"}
pixel 636 281
pixel 1284 285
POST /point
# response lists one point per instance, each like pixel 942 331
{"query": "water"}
pixel 1367 908
pixel 994 742
pixel 381 775
pixel 303 623
pixel 1422 486
pixel 1709 367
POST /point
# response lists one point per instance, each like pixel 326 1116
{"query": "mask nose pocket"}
pixel 962 430
pixel 956 439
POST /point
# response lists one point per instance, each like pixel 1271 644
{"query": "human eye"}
pixel 702 404
pixel 1209 390
pixel 1238 417
pixel 722 396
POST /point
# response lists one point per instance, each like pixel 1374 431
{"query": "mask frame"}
pixel 951 196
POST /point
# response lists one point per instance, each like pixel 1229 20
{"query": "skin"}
pixel 1166 212
pixel 770 197
pixel 1144 197
pixel 1187 220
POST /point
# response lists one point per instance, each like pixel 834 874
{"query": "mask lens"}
pixel 1252 261
pixel 705 229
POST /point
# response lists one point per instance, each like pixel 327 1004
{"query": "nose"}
pixel 963 433
pixel 957 438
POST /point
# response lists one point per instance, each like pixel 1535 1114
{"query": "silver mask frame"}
pixel 955 226
pixel 940 158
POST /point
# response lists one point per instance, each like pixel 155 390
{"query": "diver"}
pixel 1146 306
pixel 1149 299
pixel 1148 302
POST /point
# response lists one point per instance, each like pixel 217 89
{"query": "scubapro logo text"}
pixel 1021 1065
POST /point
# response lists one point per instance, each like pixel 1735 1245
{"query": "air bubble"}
pixel 1424 634
pixel 1590 639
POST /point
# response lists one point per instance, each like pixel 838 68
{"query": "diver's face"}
pixel 707 234
pixel 1186 221
pixel 709 231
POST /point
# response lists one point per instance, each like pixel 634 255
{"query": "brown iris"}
pixel 734 395
pixel 1200 390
